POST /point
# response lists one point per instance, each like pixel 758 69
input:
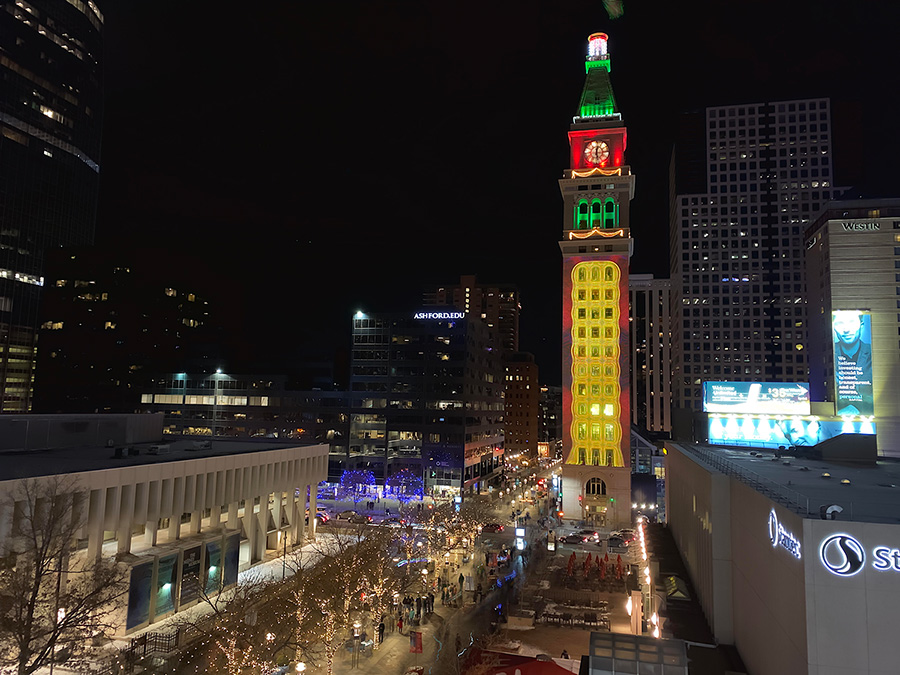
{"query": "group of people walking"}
pixel 412 609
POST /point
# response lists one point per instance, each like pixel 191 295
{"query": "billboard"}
pixel 772 398
pixel 852 335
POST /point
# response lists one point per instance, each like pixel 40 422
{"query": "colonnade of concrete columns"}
pixel 107 506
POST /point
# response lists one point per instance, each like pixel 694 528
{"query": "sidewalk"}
pixel 393 656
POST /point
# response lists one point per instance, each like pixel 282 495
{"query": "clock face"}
pixel 597 152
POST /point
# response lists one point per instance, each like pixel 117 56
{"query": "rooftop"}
pixel 871 495
pixel 17 464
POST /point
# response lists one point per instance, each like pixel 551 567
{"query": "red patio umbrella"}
pixel 602 571
pixel 571 567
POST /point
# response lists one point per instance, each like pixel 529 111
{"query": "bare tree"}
pixel 55 601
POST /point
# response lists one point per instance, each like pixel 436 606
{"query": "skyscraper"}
pixel 651 353
pixel 50 123
pixel 737 245
pixel 496 305
pixel 596 249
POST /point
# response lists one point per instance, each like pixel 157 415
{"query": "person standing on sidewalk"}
pixel 400 624
pixel 381 632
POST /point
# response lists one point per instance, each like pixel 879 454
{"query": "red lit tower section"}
pixel 596 249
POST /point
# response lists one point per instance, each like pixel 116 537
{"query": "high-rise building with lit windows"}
pixel 497 305
pixel 651 353
pixel 50 124
pixel 596 248
pixel 746 181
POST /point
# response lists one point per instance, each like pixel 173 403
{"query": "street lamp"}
pixel 301 667
pixel 356 626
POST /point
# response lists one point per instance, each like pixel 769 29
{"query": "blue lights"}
pixel 775 430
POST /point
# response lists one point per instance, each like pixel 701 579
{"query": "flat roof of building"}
pixel 17 464
pixel 872 494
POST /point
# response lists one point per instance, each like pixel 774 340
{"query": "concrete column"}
pixel 196 521
pixel 177 508
pixel 311 532
pixel 215 517
pixel 233 522
pixel 6 521
pixel 260 521
pixel 277 506
pixel 125 519
pixel 96 518
pixel 151 532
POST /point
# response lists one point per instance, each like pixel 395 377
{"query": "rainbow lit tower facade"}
pixel 596 249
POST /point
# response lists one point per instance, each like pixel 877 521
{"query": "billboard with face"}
pixel 852 334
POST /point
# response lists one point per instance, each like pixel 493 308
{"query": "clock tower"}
pixel 596 247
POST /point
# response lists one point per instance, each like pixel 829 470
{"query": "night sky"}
pixel 347 157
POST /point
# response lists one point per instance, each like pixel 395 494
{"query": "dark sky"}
pixel 348 156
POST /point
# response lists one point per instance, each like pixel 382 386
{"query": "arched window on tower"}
pixel 582 217
pixel 610 214
pixel 595 487
pixel 596 213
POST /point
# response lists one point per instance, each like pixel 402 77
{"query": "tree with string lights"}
pixel 405 486
pixel 355 485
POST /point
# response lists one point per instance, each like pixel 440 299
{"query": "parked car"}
pixel 359 519
pixel 574 538
pixel 616 542
pixel 492 527
pixel 345 515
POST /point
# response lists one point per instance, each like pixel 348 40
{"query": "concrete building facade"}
pixel 176 514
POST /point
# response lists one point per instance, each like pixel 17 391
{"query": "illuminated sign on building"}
pixel 861 226
pixel 781 537
pixel 775 430
pixel 844 556
pixel 439 315
pixel 852 335
pixel 778 398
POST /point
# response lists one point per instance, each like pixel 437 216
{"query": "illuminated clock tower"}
pixel 596 248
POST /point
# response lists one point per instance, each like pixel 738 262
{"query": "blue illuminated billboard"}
pixel 852 334
pixel 774 398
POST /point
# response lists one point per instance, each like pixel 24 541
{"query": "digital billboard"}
pixel 774 398
pixel 852 334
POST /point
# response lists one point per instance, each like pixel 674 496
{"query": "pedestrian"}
pixel 400 624
pixel 461 580
pixel 418 606
pixel 381 632
pixel 564 654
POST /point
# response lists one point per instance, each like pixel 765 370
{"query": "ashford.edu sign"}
pixel 843 555
pixel 781 537
pixel 439 315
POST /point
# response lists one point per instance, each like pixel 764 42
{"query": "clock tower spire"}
pixel 596 247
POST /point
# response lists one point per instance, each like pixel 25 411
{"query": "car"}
pixel 590 534
pixel 492 527
pixel 321 516
pixel 392 522
pixel 345 515
pixel 574 538
pixel 616 542
pixel 628 535
pixel 359 519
